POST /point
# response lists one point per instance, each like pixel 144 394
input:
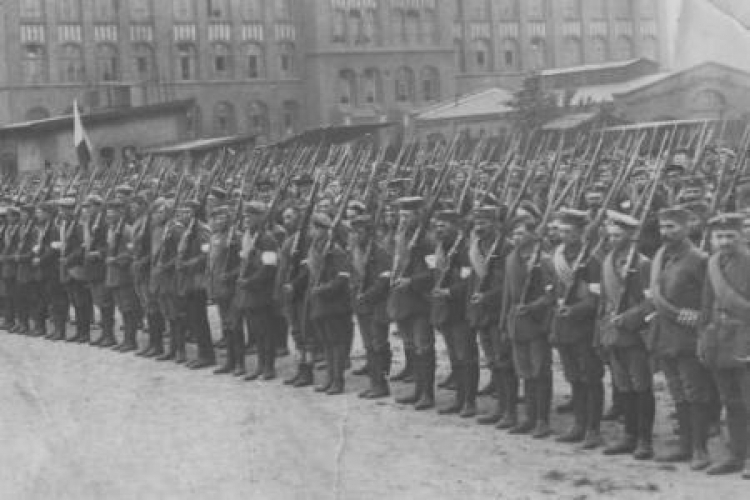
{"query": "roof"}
pixel 199 145
pixel 99 116
pixel 592 67
pixel 490 102
pixel 677 74
pixel 334 134
pixel 568 122
pixel 606 92
pixel 657 124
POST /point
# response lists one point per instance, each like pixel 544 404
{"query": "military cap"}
pixel 357 206
pixel 677 214
pixel 48 206
pixel 485 212
pixel 531 209
pixel 597 188
pixel 448 215
pixel 727 222
pixel 486 198
pixel 572 217
pixel 139 198
pixel 254 208
pixel 322 220
pixel 190 205
pixel 67 202
pixel 409 203
pixel 361 220
pixel 693 181
pixel 622 220
pixel 399 182
pixel 264 182
pixel 303 180
pixel 220 211
pixel 219 193
pixel 93 199
pixel 124 189
pixel 115 205
pixel 13 210
pixel 699 208
pixel 676 168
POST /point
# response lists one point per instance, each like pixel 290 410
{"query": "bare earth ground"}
pixel 82 423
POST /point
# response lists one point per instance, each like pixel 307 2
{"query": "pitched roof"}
pixel 490 102
pixel 606 92
pixel 198 145
pixel 591 67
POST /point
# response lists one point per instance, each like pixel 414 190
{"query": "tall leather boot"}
pixel 172 352
pixel 231 361
pixel 130 326
pixel 499 407
pixel 340 356
pixel 180 338
pixel 269 365
pixel 381 361
pixel 544 403
pixel 459 374
pixel 306 377
pixel 108 329
pixel 627 441
pixel 594 410
pixel 428 382
pixel 737 423
pixel 329 369
pixel 260 365
pixel 684 450
pixel 646 412
pixel 58 329
pixel 530 396
pixel 509 381
pixel 701 416
pixel 364 369
pixel 39 328
pixel 407 373
pixel 156 332
pixel 577 432
pixel 416 395
pixel 616 410
pixel 471 378
pixel 371 372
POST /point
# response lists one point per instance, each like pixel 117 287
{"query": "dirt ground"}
pixel 81 423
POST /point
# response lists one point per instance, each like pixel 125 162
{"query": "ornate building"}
pixel 273 67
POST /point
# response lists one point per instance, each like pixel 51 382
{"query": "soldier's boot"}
pixel 700 421
pixel 329 370
pixel 23 327
pixel 529 421
pixel 471 377
pixel 172 352
pixel 499 407
pixel 260 365
pixel 108 329
pixel 364 369
pixel 489 389
pixel 58 329
pixel 306 377
pixel 293 378
pixel 684 449
pixel 130 327
pixel 459 374
pixel 578 431
pixel 381 360
pixel 427 400
pixel 39 327
pixel 450 383
pixel 594 410
pixel 229 363
pixel 407 373
pixel 156 334
pixel 340 357
pixel 646 413
pixel 269 367
pixel 372 370
pixel 544 402
pixel 617 409
pixel 509 382
pixel 737 422
pixel 180 339
pixel 416 395
pixel 628 440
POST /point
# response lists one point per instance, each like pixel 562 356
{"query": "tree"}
pixel 533 107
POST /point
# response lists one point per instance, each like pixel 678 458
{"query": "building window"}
pixel 347 87
pixel 647 8
pixel 217 9
pixel 222 61
pixel 356 27
pixel 187 62
pixel 290 116
pixel 144 66
pixel 194 121
pixel 105 10
pixel 412 31
pixel 69 10
pixel 140 10
pixel 623 8
pixel 107 63
pixel 458 49
pixel 338 33
pixel 404 85
pixel 255 61
pixel 224 119
pixel 286 59
pixel 370 25
pixel 32 9
pixel 537 9
pixel 34 64
pixel 431 28
pixel 430 78
pixel 572 9
pixel 184 10
pixel 257 118
pixel 651 48
pixel 252 10
pixel 37 113
pixel 478 10
pixel 573 52
pixel 598 49
pixel 372 86
pixel 538 54
pixel 282 9
pixel 507 9
pixel 71 64
pixel 482 57
pixel 597 8
pixel 511 60
pixel 623 48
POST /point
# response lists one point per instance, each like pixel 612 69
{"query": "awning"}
pixel 201 145
pixel 333 135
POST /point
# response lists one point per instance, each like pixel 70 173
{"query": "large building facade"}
pixel 273 67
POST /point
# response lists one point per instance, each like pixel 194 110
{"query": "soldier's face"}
pixel 673 232
pixel 483 226
pixel 569 234
pixel 520 236
pixel 25 217
pixel 617 236
pixel 112 217
pixel 726 241
pixel 407 218
pixel 183 216
pixel 219 222
pixel 444 230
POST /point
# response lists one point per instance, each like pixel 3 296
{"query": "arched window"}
pixel 221 61
pixel 347 87
pixel 599 50
pixel 356 27
pixel 573 54
pixel 71 64
pixel 510 54
pixel 430 78
pixel 252 10
pixel 140 10
pixel 651 48
pixel 34 63
pixel 68 10
pixel 572 9
pixel 404 85
pixel 458 49
pixel 225 122
pixel 255 65
pixel 257 118
pixel 218 9
pixel 413 27
pixel 144 64
pixel 538 53
pixel 105 10
pixel 431 28
pixel 482 56
pixel 338 24
pixel 37 113
pixel 597 8
pixel 289 116
pixel 623 8
pixel 370 25
pixel 372 86
pixel 194 121
pixel 187 62
pixel 398 22
pixel 537 9
pixel 623 48
pixel 107 63
pixel 507 9
pixel 184 10
pixel 286 59
pixel 32 9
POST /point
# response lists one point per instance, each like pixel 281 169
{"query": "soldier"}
pixel 190 264
pixel 524 320
pixel 724 340
pixel 25 282
pixel 678 273
pixel 573 327
pixel 118 277
pixel 407 303
pixel 72 275
pixel 370 267
pixel 46 261
pixel 254 297
pixel 9 268
pixel 620 337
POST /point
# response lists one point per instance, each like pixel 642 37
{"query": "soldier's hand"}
pixel 523 310
pixel 477 298
pixel 688 317
pixel 563 311
pixel 403 282
pixel 617 320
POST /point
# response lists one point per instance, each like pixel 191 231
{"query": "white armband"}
pixel 269 258
pixel 430 260
pixel 56 245
pixel 465 272
pixel 205 247
pixel 595 288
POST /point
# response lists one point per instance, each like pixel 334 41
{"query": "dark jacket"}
pixel 257 273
